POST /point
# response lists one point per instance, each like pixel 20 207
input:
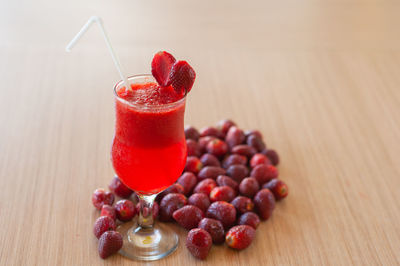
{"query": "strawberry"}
pixel 192 133
pixel 125 210
pixel 188 216
pixel 225 125
pixel 199 243
pixel 234 159
pixel 240 236
pixel 264 203
pixel 101 197
pixel 161 67
pixel 209 160
pixel 217 147
pixel 188 181
pixel 249 218
pixel 224 193
pixel 174 188
pixel 214 228
pixel 109 243
pixel 278 188
pixel 205 186
pixel 264 173
pixel 242 204
pixel 182 77
pixel 199 200
pixel 222 211
pixel 272 156
pixel 193 164
pixel 258 159
pixel 210 172
pixel 169 204
pixel 103 224
pixel 119 188
pixel 109 211
pixel 223 180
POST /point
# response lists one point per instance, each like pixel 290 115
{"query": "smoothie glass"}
pixel 148 155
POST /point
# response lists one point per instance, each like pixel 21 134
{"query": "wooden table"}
pixel 320 79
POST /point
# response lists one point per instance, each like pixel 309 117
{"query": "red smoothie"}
pixel 149 147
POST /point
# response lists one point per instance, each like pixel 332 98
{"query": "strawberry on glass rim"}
pixel 167 71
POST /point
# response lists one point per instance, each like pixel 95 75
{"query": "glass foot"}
pixel 147 244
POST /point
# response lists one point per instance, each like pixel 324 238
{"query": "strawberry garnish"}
pixel 161 67
pixel 182 77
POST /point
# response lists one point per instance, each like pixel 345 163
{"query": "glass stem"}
pixel 146 220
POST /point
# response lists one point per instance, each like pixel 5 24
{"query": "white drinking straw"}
pixel 99 22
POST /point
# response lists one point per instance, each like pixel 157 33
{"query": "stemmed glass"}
pixel 148 155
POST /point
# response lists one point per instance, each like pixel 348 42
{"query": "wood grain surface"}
pixel 320 79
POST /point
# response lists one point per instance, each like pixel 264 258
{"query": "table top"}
pixel 320 79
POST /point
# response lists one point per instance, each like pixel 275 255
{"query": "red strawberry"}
pixel 199 200
pixel 240 236
pixel 109 211
pixel 188 216
pixel 264 202
pixel 223 180
pixel 249 187
pixel 188 181
pixel 217 147
pixel 278 188
pixel 161 67
pixel 199 242
pixel 242 204
pixel 182 77
pixel 222 211
pixel 211 132
pixel 249 218
pixel 209 160
pixel 272 156
pixel 193 164
pixel 174 188
pixel 192 133
pixel 234 159
pixel 225 125
pixel 224 193
pixel 169 204
pixel 203 141
pixel 109 243
pixel 193 148
pixel 258 159
pixel 210 172
pixel 214 228
pixel 264 173
pixel 125 210
pixel 101 197
pixel 103 224
pixel 205 186
pixel 119 188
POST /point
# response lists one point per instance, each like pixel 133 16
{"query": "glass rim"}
pixel 144 106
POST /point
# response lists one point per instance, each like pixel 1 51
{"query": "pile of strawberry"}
pixel 229 185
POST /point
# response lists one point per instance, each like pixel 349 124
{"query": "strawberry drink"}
pixel 149 148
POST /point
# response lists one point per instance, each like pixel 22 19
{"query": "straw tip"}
pixel 96 18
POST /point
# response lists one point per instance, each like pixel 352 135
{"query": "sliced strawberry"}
pixel 182 77
pixel 161 67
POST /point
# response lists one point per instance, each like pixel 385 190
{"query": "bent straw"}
pixel 99 21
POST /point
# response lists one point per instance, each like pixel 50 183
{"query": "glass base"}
pixel 147 244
